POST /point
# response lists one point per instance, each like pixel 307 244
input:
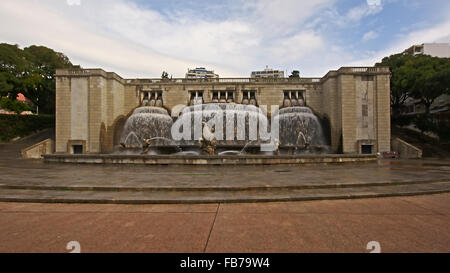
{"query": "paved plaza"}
pixel 399 224
pixel 35 181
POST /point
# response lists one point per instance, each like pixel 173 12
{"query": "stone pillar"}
pixel 383 113
pixel 346 84
pixel 63 117
pixel 97 86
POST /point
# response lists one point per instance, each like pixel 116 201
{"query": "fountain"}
pixel 222 129
pixel 147 123
pixel 300 129
pixel 238 124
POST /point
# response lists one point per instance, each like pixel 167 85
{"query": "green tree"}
pixel 13 66
pixel 421 77
pixel 31 72
pixel 431 79
pixel 401 80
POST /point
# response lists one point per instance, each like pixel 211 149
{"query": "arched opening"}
pixel 118 129
pixel 326 127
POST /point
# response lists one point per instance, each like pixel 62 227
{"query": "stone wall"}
pixel 332 109
pixel 90 103
pixel 405 150
pixel 86 102
pixel 37 150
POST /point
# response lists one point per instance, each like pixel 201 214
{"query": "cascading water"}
pixel 299 128
pixel 240 127
pixel 147 122
pixel 239 123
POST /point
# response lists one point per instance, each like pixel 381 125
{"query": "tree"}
pixel 13 65
pixel 431 79
pixel 295 74
pixel 31 72
pixel 401 80
pixel 14 105
pixel 421 77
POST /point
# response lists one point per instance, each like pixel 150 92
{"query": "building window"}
pixel 195 97
pixel 215 96
pixel 223 96
pixel 249 98
pixel 152 98
pixel 230 96
pixel 293 98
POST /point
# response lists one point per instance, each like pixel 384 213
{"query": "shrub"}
pixel 12 126
pixel 424 123
pixel 442 129
pixel 402 120
pixel 14 105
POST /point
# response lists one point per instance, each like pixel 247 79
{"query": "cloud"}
pixel 282 15
pixel 374 2
pixel 73 2
pixel 233 38
pixel 142 41
pixel 437 33
pixel 80 43
pixel 364 10
pixel 370 36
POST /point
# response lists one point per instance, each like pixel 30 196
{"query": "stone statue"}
pixel 146 145
pixel 302 142
pixel 208 141
pixel 276 149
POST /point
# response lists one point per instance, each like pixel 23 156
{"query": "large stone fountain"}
pixel 301 130
pixel 232 128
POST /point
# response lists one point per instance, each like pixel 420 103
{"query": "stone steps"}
pixel 218 187
pixel 170 196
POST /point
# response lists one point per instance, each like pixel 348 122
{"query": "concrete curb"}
pixel 215 188
pixel 203 200
pixel 254 200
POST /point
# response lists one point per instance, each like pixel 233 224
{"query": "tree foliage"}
pixel 14 105
pixel 421 77
pixel 31 71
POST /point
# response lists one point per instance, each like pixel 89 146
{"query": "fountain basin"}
pixel 190 159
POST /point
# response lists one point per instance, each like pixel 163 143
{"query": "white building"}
pixel 201 72
pixel 268 73
pixel 441 50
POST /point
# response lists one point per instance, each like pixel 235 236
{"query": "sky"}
pixel 142 38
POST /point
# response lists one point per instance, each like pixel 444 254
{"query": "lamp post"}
pixel 37 105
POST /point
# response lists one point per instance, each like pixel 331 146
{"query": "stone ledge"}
pixel 39 149
pixel 208 160
pixel 405 150
pixel 53 196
